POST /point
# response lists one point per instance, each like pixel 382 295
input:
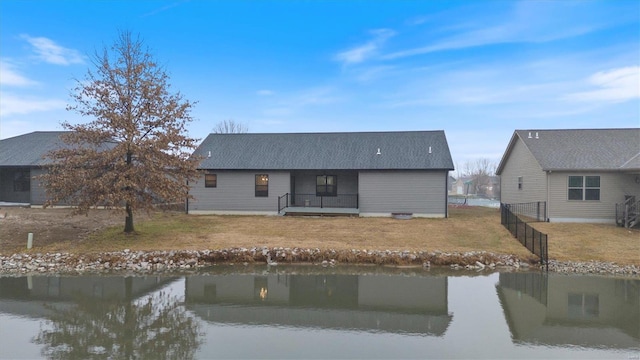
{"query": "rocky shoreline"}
pixel 151 262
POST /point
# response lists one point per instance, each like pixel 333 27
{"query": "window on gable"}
pixel 210 180
pixel 262 185
pixel 326 185
pixel 21 181
pixel 520 182
pixel 584 188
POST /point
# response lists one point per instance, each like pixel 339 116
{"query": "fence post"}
pixel 540 244
pixel 538 212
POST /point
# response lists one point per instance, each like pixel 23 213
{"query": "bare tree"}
pixel 134 152
pixel 480 171
pixel 230 127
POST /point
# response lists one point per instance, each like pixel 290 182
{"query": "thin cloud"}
pixel 265 92
pixel 528 21
pixel 363 52
pixel 163 9
pixel 615 85
pixel 9 76
pixel 15 105
pixel 50 52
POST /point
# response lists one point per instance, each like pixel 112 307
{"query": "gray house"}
pixel 365 174
pixel 21 161
pixel 585 175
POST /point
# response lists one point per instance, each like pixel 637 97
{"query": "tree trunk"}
pixel 128 222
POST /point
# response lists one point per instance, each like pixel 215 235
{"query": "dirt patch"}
pixel 50 226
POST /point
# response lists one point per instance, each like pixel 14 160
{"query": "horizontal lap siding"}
pixel 235 191
pixel 522 163
pixel 613 188
pixel 418 192
pixel 38 192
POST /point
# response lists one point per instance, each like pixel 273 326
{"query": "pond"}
pixel 314 312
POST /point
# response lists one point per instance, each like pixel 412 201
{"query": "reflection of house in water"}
pixel 571 310
pixel 355 302
pixel 26 295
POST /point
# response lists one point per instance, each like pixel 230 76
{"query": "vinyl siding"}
pixel 423 193
pixel 38 192
pixel 235 191
pixel 613 188
pixel 522 163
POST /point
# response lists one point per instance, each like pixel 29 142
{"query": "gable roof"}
pixel 336 151
pixel 29 149
pixel 580 149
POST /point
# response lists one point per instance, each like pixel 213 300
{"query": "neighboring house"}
pixel 487 186
pixel 463 186
pixel 560 310
pixel 582 175
pixel 366 174
pixel 21 161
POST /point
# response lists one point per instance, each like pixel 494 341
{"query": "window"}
pixel 326 185
pixel 584 188
pixel 520 181
pixel 210 180
pixel 262 185
pixel 21 181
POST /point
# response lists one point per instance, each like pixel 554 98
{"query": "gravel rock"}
pixel 166 261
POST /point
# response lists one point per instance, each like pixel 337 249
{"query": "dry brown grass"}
pixel 467 229
pixel 592 242
pixel 472 229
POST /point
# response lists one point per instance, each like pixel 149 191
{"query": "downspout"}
pixel 446 195
pixel 546 208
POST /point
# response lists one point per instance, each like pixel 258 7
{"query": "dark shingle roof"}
pixel 29 149
pixel 582 149
pixel 300 151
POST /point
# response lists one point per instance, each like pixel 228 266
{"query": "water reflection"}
pixel 563 310
pixel 303 312
pixel 398 304
pixel 103 317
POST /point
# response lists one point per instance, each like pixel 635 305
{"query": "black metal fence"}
pixel 531 211
pixel 532 239
pixel 348 201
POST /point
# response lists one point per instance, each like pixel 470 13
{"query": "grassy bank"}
pixel 467 229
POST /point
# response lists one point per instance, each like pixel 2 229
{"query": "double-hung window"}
pixel 210 180
pixel 262 185
pixel 520 182
pixel 584 188
pixel 326 185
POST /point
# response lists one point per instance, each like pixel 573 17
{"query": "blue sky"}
pixel 476 69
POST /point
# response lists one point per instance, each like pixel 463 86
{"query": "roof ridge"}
pixel 332 132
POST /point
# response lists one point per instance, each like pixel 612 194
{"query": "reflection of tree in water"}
pixel 157 327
